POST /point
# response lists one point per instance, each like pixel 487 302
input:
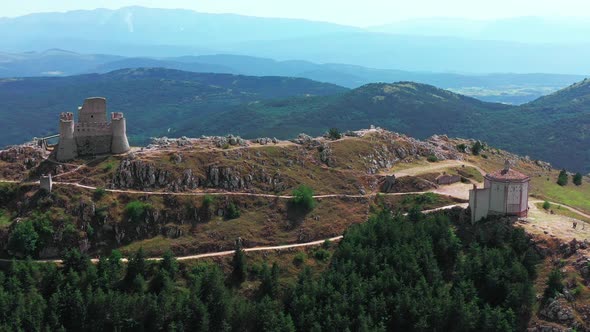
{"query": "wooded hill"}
pixel 160 102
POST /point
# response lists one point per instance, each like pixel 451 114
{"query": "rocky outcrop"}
pixel 227 178
pixel 388 185
pixel 137 174
pixel 20 160
pixel 326 154
pixel 558 311
pixel 229 140
pixel 266 140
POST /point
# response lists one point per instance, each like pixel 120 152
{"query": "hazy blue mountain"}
pixel 163 63
pixel 147 26
pixel 517 29
pixel 424 53
pixel 53 62
pixel 147 32
pixel 506 88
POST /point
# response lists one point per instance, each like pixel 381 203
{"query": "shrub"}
pixel 321 255
pixel 70 235
pixel 562 178
pixel 4 218
pixel 577 179
pixel 432 158
pixel 462 148
pixel 334 134
pixel 303 198
pixel 239 265
pixel 24 239
pixel 299 258
pixel 476 148
pixel 89 230
pixel 484 156
pixel 554 284
pixel 206 211
pixel 7 192
pixel 108 166
pixel 99 193
pixel 232 211
pixel 546 205
pixel 427 198
pixel 208 200
pixel 136 210
pixel 102 211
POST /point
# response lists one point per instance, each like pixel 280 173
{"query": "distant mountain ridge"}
pixel 530 29
pixel 160 102
pixel 152 32
pixel 506 88
pixel 159 26
pixel 153 99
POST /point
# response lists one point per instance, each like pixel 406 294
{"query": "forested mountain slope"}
pixel 499 87
pixel 153 99
pixel 161 102
pixel 554 128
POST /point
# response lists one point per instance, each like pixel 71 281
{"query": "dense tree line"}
pixel 413 273
pixel 391 274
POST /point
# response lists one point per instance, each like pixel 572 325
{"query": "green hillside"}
pixel 153 100
pixel 419 109
pixel 160 102
pixel 555 128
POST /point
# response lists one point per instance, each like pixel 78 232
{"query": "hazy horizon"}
pixel 374 12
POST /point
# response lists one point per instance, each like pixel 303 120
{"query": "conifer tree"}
pixel 562 178
pixel 577 179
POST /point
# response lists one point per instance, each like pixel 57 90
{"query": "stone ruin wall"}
pixel 93 138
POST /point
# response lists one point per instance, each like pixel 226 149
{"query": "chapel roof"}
pixel 507 174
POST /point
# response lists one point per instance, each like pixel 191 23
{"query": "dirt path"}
pixel 220 193
pixel 554 225
pixel 231 252
pixel 565 206
pixel 432 167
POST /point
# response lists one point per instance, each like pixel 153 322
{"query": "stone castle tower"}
pixel 93 134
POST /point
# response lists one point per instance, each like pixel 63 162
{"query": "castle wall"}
pixel 120 144
pixel 93 145
pixel 94 110
pixel 66 148
pixel 93 138
pixel 92 135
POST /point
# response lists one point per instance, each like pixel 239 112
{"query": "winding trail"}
pixel 215 193
pixel 231 252
pixel 225 193
pixel 535 201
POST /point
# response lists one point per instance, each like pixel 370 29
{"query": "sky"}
pixel 349 12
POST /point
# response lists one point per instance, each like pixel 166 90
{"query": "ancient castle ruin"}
pixel 92 134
